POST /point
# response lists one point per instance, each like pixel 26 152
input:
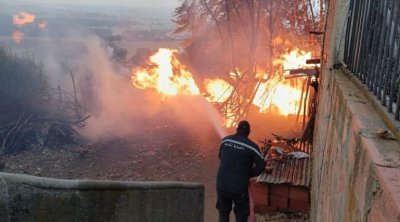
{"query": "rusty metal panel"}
pixel 292 171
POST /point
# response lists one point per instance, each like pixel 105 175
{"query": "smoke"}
pixel 120 110
pixel 196 115
pixel 117 108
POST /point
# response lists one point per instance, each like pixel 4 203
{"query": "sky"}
pixel 138 3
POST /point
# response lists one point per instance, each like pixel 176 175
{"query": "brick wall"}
pixel 355 172
pixel 271 197
pixel 299 198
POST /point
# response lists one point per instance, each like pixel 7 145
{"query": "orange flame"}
pixel 169 77
pixel 279 94
pixel 294 59
pixel 218 90
pixel 281 42
pixel 17 36
pixel 272 93
pixel 23 18
pixel 166 74
pixel 43 25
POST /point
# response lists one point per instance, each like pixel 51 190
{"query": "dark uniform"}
pixel 240 160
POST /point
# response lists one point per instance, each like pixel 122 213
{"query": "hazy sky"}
pixel 139 3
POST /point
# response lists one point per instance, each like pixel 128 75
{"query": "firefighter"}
pixel 240 159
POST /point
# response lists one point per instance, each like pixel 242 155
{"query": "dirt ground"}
pixel 160 151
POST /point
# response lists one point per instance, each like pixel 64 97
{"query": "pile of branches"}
pixel 33 115
pixel 29 131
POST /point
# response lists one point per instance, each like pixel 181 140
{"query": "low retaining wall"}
pixel 28 198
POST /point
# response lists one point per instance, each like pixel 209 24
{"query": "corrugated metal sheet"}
pixel 287 170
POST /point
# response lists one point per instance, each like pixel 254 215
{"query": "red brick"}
pixel 259 193
pixel 263 209
pixel 300 205
pixel 279 202
pixel 299 193
pixel 281 190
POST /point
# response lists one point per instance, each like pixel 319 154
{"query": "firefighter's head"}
pixel 243 128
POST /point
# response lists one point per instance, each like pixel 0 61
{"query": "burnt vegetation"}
pixel 32 114
pixel 235 33
pixel 242 38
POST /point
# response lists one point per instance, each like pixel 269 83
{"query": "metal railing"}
pixel 372 48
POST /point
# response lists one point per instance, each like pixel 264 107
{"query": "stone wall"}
pixel 27 198
pixel 356 174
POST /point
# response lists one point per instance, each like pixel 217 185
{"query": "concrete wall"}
pixel 356 174
pixel 27 198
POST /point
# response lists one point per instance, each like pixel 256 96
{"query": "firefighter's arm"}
pixel 258 166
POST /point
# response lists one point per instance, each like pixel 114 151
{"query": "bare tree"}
pixel 246 30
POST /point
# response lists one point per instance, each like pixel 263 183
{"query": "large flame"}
pixel 169 77
pixel 165 74
pixel 218 90
pixel 278 93
pixel 23 18
pixel 292 60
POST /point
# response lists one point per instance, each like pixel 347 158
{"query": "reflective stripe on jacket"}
pixel 240 159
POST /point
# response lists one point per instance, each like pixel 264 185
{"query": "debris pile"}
pixel 281 216
pixel 33 115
